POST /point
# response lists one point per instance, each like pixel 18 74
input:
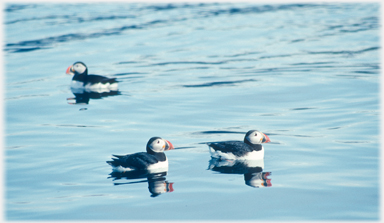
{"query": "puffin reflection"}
pixel 157 183
pixel 83 96
pixel 252 170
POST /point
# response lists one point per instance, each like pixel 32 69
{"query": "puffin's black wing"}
pixel 137 160
pixel 97 79
pixel 238 148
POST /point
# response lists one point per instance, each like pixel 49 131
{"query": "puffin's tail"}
pixel 115 161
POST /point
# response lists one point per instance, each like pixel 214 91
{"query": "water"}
pixel 307 75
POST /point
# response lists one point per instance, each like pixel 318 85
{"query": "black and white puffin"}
pixel 249 149
pixel 152 160
pixel 97 83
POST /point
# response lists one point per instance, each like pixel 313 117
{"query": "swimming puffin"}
pixel 249 149
pixel 152 160
pixel 97 83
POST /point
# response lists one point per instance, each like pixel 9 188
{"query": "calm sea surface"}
pixel 307 75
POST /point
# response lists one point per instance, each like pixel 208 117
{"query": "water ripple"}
pixel 202 12
pixel 218 132
pixel 218 83
pixel 72 125
pixel 299 109
pixel 345 51
pixel 27 96
pixel 367 23
pixel 255 9
pixel 37 44
pixel 16 7
pixel 30 45
pixel 189 62
pixel 71 19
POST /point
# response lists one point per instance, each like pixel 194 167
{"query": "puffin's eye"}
pixel 158 141
pixel 255 134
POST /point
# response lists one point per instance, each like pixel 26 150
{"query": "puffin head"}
pixel 77 68
pixel 256 137
pixel 158 145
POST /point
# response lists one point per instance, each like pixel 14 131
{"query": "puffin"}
pixel 97 83
pixel 152 160
pixel 249 149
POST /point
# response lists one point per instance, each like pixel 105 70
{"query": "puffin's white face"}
pixel 257 137
pixel 157 145
pixel 79 68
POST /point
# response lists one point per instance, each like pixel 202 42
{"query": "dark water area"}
pixel 307 75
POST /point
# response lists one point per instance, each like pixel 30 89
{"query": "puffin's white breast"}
pixel 97 87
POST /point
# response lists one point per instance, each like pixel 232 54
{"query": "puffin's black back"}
pixel 238 148
pixel 137 160
pixel 100 79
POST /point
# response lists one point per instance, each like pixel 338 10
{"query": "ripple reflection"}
pixel 252 170
pixel 157 183
pixel 83 97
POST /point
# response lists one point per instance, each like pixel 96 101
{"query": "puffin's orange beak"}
pixel 69 70
pixel 265 139
pixel 169 146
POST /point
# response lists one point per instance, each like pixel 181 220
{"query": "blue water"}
pixel 307 75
